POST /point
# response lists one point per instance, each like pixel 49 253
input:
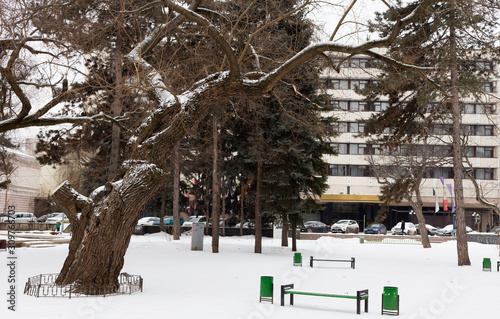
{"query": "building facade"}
pixel 354 190
pixel 25 183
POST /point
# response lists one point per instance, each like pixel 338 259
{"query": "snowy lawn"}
pixel 180 283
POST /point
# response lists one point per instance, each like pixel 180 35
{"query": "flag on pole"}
pixel 445 200
pixel 436 195
pixel 451 198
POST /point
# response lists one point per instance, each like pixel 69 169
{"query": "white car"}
pixel 24 218
pixel 56 217
pixel 148 221
pixel 345 226
pixel 449 231
pixel 4 217
pixel 188 223
pixel 410 229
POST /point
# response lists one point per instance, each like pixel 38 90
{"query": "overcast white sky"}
pixel 354 29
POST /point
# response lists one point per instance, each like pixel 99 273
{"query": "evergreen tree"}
pixel 455 43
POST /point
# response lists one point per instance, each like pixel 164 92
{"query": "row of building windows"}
pixel 469 130
pixel 366 171
pixel 351 84
pixel 414 150
pixel 379 106
pixel 368 62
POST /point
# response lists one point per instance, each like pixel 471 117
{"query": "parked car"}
pixel 345 226
pixel 431 230
pixel 24 218
pixel 148 221
pixel 167 221
pixel 315 226
pixel 4 217
pixel 248 224
pixel 449 231
pixel 194 219
pixel 410 229
pixel 43 218
pixel 56 217
pixel 495 230
pixel 376 228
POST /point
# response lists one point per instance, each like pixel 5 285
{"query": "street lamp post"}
pixel 477 220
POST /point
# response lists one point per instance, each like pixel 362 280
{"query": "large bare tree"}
pixel 104 221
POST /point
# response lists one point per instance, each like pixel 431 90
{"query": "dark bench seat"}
pixel 352 261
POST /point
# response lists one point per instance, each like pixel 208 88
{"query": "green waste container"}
pixel 266 288
pixel 297 259
pixel 390 301
pixel 487 264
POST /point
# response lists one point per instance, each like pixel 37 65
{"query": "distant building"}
pixel 25 183
pixel 354 190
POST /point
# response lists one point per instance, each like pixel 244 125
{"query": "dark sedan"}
pixel 376 229
pixel 314 226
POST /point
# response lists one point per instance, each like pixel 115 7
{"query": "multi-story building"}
pixel 25 182
pixel 354 190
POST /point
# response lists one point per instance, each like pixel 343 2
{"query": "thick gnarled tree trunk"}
pixel 101 234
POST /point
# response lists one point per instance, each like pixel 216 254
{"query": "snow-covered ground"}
pixel 180 283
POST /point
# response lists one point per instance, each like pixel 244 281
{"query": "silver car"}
pixel 345 226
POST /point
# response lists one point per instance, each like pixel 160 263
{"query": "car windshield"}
pixel 375 225
pixel 342 222
pixel 192 219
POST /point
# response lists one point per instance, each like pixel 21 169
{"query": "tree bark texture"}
pixel 284 230
pixel 258 208
pixel 417 207
pixel 175 205
pixel 462 245
pixel 116 111
pixel 102 232
pixel 215 187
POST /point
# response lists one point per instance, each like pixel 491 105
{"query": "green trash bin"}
pixel 266 288
pixel 486 264
pixel 390 301
pixel 297 259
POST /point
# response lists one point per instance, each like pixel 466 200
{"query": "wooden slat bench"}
pixel 360 295
pixel 352 261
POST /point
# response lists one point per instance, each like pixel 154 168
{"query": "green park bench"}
pixel 360 295
pixel 352 261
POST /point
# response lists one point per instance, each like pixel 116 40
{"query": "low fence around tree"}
pixel 484 238
pixel 44 285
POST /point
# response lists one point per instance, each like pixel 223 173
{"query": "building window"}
pixel 359 170
pixel 337 170
pixel 484 173
pixel 380 106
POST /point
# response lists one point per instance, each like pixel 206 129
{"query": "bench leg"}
pixel 311 261
pixel 282 296
pixel 353 263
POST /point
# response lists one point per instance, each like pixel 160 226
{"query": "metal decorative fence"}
pixel 44 285
pixel 384 240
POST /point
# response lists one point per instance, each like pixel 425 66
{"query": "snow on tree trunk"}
pixel 102 232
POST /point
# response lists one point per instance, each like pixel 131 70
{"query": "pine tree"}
pixel 455 42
